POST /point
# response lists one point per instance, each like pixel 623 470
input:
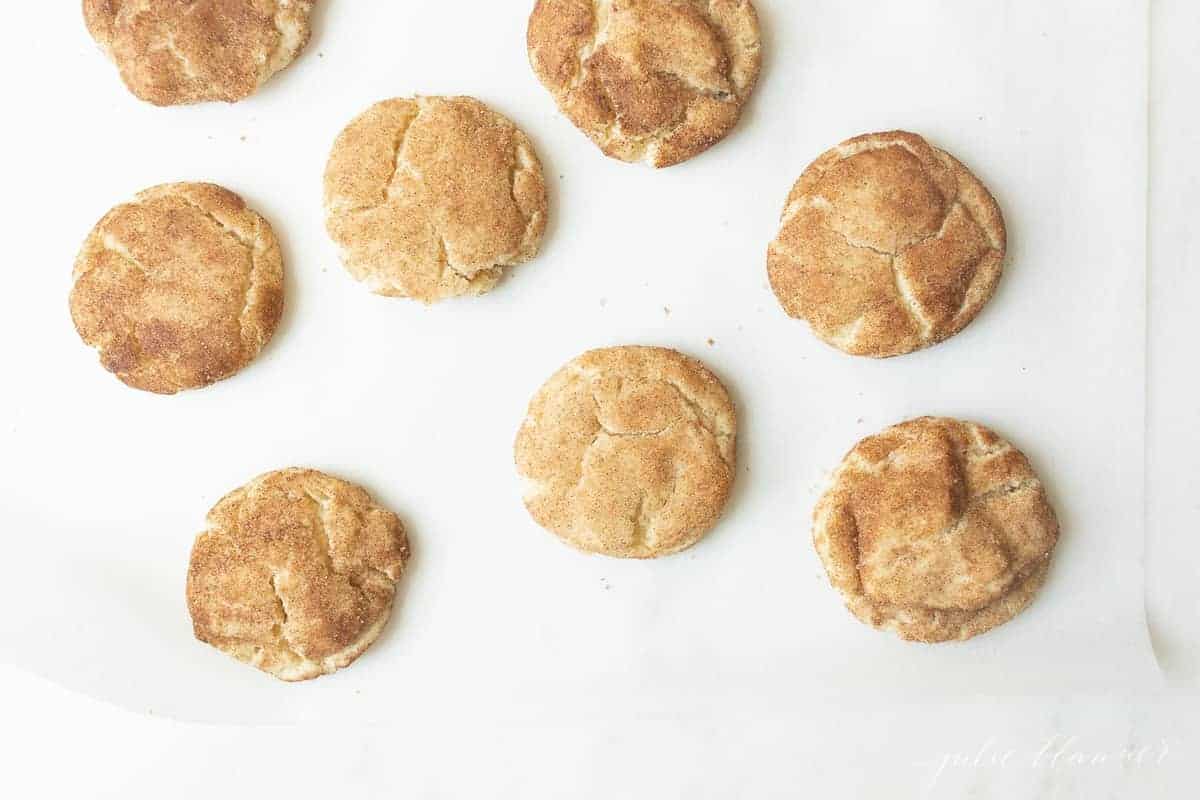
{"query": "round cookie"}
pixel 172 52
pixel 179 288
pixel 628 452
pixel 656 81
pixel 433 197
pixel 935 529
pixel 295 573
pixel 887 245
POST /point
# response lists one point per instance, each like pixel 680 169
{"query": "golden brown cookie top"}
pixel 172 52
pixel 936 529
pixel 629 452
pixel 657 81
pixel 295 573
pixel 887 245
pixel 179 288
pixel 434 197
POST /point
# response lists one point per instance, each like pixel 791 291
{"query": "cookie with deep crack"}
pixel 653 81
pixel 935 529
pixel 179 288
pixel 171 52
pixel 295 573
pixel 887 245
pixel 629 452
pixel 434 197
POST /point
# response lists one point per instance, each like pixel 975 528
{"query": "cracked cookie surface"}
pixel 171 52
pixel 935 529
pixel 653 81
pixel 295 573
pixel 629 452
pixel 179 288
pixel 887 245
pixel 433 197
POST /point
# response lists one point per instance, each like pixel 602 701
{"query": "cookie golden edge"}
pixel 720 407
pixel 147 82
pixel 262 309
pixel 528 191
pixel 899 620
pixel 291 667
pixel 973 193
pixel 552 26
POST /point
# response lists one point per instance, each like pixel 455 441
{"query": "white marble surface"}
pixel 1125 744
pixel 1129 746
pixel 1173 422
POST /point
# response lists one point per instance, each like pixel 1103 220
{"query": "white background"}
pixel 514 666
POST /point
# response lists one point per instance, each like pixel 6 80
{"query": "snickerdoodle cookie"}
pixel 433 197
pixel 171 52
pixel 656 81
pixel 628 452
pixel 295 573
pixel 887 245
pixel 179 288
pixel 935 529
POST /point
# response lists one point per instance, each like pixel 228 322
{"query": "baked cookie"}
pixel 656 81
pixel 628 452
pixel 295 573
pixel 433 197
pixel 172 52
pixel 887 245
pixel 179 288
pixel 935 529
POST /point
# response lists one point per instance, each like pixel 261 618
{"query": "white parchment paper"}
pixel 103 487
